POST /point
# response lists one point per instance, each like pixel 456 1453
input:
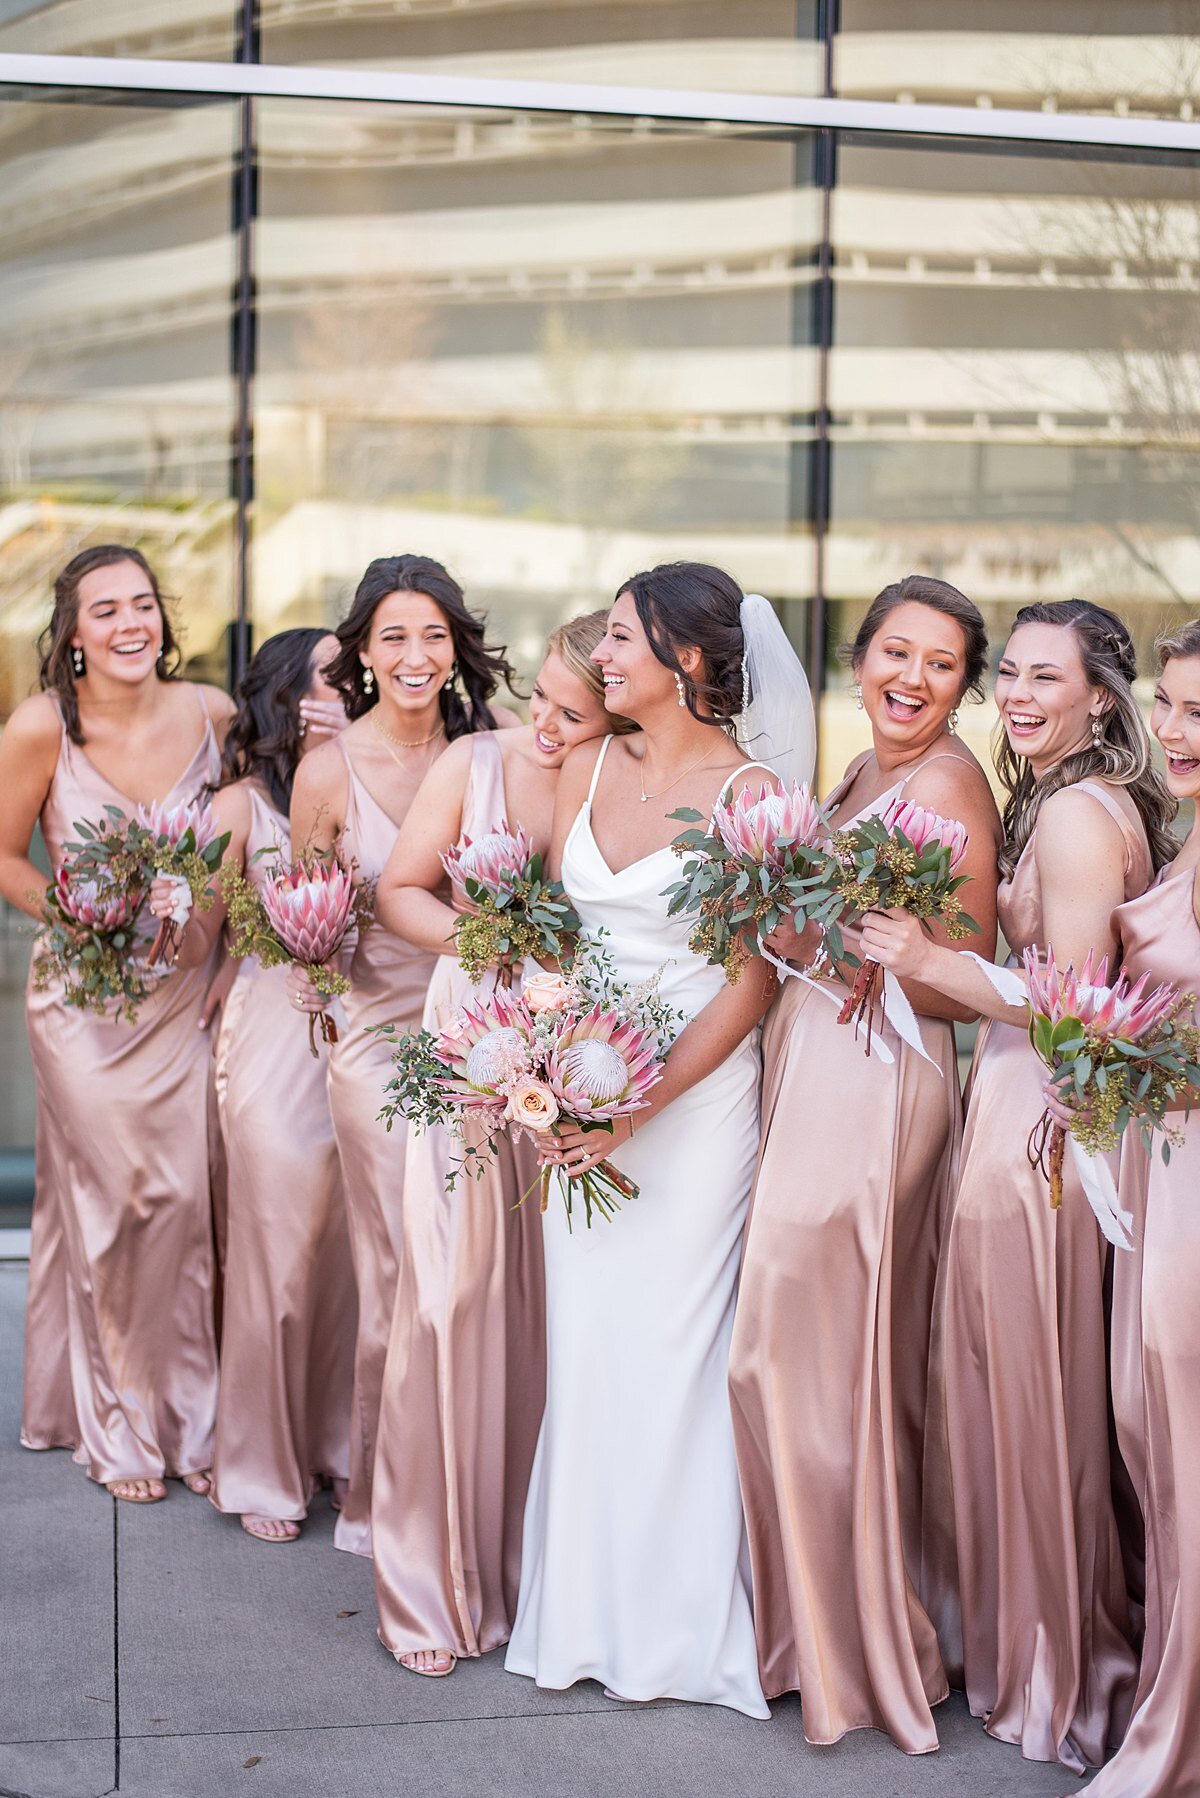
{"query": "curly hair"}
pixel 56 671
pixel 694 605
pixel 481 666
pixel 1121 756
pixel 265 738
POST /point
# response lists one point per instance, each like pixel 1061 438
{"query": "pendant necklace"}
pixel 671 783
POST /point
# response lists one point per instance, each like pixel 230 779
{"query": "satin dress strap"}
pixel 483 802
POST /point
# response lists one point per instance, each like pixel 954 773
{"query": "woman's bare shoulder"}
pixel 35 725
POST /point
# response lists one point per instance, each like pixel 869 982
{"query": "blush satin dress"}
pixel 1156 1362
pixel 388 982
pixel 830 1357
pixel 464 1384
pixel 287 1350
pixel 1023 1572
pixel 120 1351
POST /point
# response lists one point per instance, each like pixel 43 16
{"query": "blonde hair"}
pixel 1185 641
pixel 573 643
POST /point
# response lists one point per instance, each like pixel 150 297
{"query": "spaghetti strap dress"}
pixel 464 1384
pixel 120 1350
pixel 287 1349
pixel 388 982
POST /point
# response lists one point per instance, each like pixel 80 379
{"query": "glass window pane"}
pixel 184 30
pixel 549 351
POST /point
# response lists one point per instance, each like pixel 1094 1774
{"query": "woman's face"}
pixel 409 649
pixel 912 675
pixel 564 711
pixel 318 686
pixel 1175 721
pixel 635 681
pixel 1046 704
pixel 119 626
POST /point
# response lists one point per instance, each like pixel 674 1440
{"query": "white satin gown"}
pixel 635 1569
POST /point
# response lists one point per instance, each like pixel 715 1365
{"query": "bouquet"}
pixel 508 910
pixel 301 916
pixel 1123 1054
pixel 577 1049
pixel 760 860
pixel 905 857
pixel 94 904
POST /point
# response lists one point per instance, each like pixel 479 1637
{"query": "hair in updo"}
pixel 1121 757
pixel 1182 642
pixel 939 596
pixel 691 605
pixel 573 643
pixel 266 738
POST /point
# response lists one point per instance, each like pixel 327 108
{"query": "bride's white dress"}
pixel 635 1570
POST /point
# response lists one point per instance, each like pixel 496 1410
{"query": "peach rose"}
pixel 546 991
pixel 531 1103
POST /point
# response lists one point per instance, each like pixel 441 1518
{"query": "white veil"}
pixel 777 725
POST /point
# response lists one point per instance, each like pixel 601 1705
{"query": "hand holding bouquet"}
pixel 187 852
pixel 1118 1054
pixel 507 909
pixel 760 860
pixel 301 917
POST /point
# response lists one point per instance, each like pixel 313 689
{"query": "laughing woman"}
pixel 1023 1563
pixel 831 1341
pixel 120 1354
pixel 404 646
pixel 465 1379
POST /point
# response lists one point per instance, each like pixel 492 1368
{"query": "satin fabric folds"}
pixel 388 982
pixel 1024 1574
pixel 828 1369
pixel 287 1350
pixel 1156 1359
pixel 464 1384
pixel 120 1352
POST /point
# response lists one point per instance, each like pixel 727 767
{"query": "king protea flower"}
pixel 1122 1010
pixel 763 829
pixel 309 909
pixel 923 827
pixel 93 903
pixel 602 1065
pixel 174 822
pixel 486 1049
pixel 496 859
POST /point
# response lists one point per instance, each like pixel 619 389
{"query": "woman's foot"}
pixel 199 1483
pixel 137 1492
pixel 270 1529
pixel 338 1492
pixel 431 1663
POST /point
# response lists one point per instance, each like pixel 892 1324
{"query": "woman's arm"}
pixel 406 901
pixel 319 794
pixel 28 757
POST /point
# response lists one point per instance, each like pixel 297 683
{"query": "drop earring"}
pixel 368 679
pixel 858 698
pixel 952 721
pixel 1097 733
pixel 680 689
pixel 77 662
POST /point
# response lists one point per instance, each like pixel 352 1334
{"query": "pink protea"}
pixel 93 903
pixel 174 822
pixel 602 1065
pixel 923 827
pixel 309 909
pixel 486 1047
pixel 763 829
pixel 497 859
pixel 1121 1010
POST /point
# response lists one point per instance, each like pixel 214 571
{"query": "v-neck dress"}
pixel 120 1352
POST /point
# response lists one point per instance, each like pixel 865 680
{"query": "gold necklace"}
pixel 670 783
pixel 387 739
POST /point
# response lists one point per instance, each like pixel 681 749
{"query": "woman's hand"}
pixel 321 719
pixel 1058 1104
pixel 166 896
pixel 896 941
pixel 576 1151
pixel 799 947
pixel 301 991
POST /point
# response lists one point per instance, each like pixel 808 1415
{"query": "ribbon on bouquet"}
pixel 893 1003
pixel 1095 1174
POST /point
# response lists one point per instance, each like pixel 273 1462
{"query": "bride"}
pixel 635 1570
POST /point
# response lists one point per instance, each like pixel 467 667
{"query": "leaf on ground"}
pixel 253 1761
pixel 349 1613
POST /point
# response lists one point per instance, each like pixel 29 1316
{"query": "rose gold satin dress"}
pixel 464 1387
pixel 120 1352
pixel 388 982
pixel 287 1355
pixel 828 1368
pixel 1160 1756
pixel 1023 1572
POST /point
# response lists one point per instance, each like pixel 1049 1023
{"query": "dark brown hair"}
pixel 265 738
pixel 692 605
pixel 480 666
pixel 939 596
pixel 56 673
pixel 1122 755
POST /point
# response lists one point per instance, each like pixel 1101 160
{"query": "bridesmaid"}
pixel 120 1357
pixel 1160 933
pixel 465 1379
pixel 403 648
pixel 831 1338
pixel 1023 1562
pixel 287 1349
